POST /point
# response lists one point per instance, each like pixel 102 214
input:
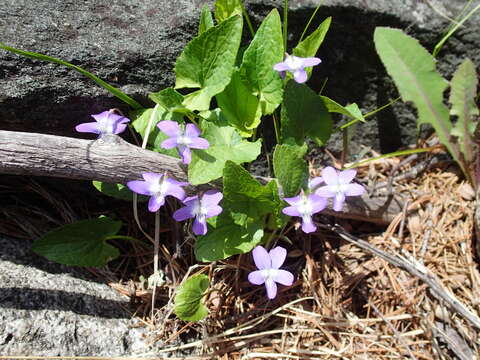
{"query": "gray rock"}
pixel 48 309
pixel 133 45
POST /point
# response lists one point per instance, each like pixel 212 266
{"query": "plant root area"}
pixel 346 303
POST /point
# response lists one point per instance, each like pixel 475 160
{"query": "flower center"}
pixel 338 188
pixel 304 207
pixel 294 63
pixel 105 126
pixel 269 273
pixel 183 140
pixel 159 188
pixel 199 210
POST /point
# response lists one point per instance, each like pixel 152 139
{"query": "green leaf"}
pixel 352 110
pixel 265 50
pixel 304 115
pixel 227 8
pixel 113 90
pixel 207 62
pixel 462 97
pixel 117 191
pixel 310 45
pixel 413 70
pixel 227 239
pixel 170 99
pixel 225 144
pixel 140 120
pixel 82 243
pixel 214 116
pixel 239 106
pixel 206 20
pixel 290 168
pixel 188 301
pixel 245 197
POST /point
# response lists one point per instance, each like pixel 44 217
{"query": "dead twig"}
pixel 415 268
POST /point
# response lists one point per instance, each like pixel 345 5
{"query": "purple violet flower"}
pixel 183 140
pixel 338 186
pixel 157 186
pixel 269 272
pixel 105 123
pixel 305 206
pixel 296 66
pixel 314 183
pixel 201 208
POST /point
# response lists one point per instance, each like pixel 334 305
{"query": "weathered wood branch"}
pixel 109 158
pixel 113 160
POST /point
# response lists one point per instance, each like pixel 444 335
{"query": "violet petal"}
pixel 171 128
pixel 184 213
pixel 185 153
pixel 281 66
pixel 261 258
pixel 91 127
pixel 271 288
pixel 317 202
pixel 174 189
pixel 307 225
pixel 311 61
pixel 199 226
pixel 346 176
pixel 198 143
pixel 325 191
pixel 330 175
pixel 300 76
pixel 256 277
pixel 214 211
pixel 191 130
pixel 294 200
pixel 291 211
pixel 354 190
pixel 283 277
pixel 277 256
pixel 169 143
pixel 139 187
pixel 315 182
pixel 338 201
pixel 152 177
pixel 155 203
pixel 211 197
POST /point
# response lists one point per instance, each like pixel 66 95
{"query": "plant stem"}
pixel 247 19
pixel 368 114
pixel 310 20
pixel 344 155
pixel 270 238
pixel 124 237
pixel 285 24
pixel 269 165
pixel 149 126
pixel 438 47
pixel 275 125
pixel 156 248
pixel 323 86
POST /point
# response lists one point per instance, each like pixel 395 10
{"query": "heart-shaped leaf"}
pixel 82 243
pixel 188 301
